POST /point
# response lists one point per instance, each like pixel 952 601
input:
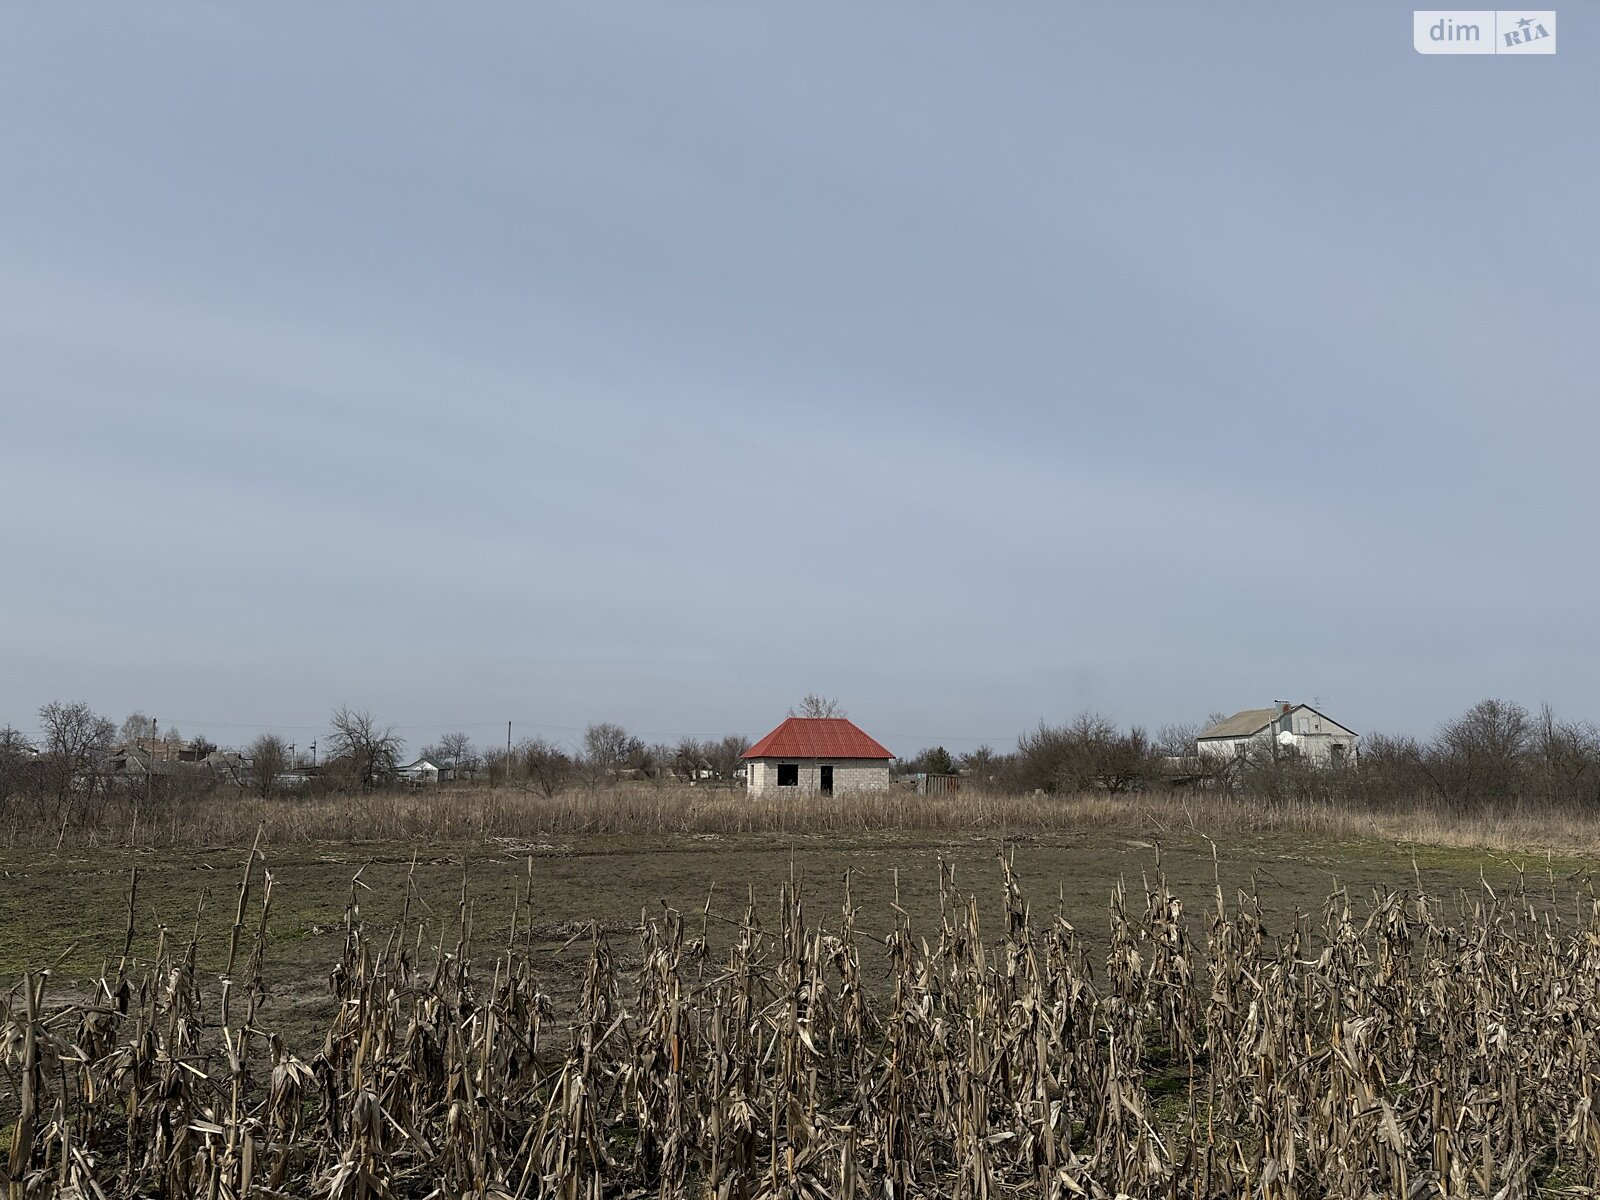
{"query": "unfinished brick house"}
pixel 809 756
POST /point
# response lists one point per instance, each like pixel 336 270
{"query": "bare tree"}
pixel 1483 755
pixel 981 764
pixel 688 759
pixel 1089 752
pixel 606 748
pixel 498 767
pixel 17 764
pixel 1178 740
pixel 269 758
pixel 373 752
pixel 639 760
pixel 1394 767
pixel 723 756
pixel 13 743
pixel 137 729
pixel 457 748
pixel 653 761
pixel 1568 759
pixel 545 766
pixel 76 739
pixel 813 705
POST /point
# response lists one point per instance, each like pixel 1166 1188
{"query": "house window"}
pixel 788 774
pixel 1238 749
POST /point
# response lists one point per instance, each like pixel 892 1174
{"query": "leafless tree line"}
pixel 607 754
pixel 1496 753
pixel 1087 753
pixel 81 761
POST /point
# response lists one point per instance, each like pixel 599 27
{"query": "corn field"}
pixel 1403 1046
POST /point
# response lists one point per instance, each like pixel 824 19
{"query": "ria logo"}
pixel 1483 31
pixel 1528 29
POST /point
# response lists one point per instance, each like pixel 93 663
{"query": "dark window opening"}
pixel 825 781
pixel 788 774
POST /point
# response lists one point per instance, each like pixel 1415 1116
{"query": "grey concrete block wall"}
pixel 849 775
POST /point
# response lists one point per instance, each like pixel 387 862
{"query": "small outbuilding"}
pixel 816 756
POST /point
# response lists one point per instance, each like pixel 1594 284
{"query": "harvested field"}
pixel 887 1017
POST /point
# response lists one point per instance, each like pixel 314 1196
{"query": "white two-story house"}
pixel 1282 729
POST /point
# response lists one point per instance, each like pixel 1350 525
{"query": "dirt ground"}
pixel 68 911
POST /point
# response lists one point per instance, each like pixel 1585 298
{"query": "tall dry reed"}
pixel 469 813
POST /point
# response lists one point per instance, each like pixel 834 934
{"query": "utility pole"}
pixel 508 751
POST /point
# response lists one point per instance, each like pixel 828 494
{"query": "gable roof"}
pixel 1326 718
pixel 1242 724
pixel 817 737
pixel 1253 720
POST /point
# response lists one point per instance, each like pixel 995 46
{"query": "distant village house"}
pixel 1282 729
pixel 425 770
pixel 173 759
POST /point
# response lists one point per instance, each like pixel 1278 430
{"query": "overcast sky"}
pixel 661 363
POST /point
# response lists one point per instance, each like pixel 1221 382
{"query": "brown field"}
pixel 518 886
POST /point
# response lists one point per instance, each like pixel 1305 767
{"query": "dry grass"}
pixel 454 814
pixel 1414 1048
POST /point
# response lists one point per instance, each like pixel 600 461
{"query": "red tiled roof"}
pixel 817 737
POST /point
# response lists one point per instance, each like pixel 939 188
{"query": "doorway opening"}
pixel 825 780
